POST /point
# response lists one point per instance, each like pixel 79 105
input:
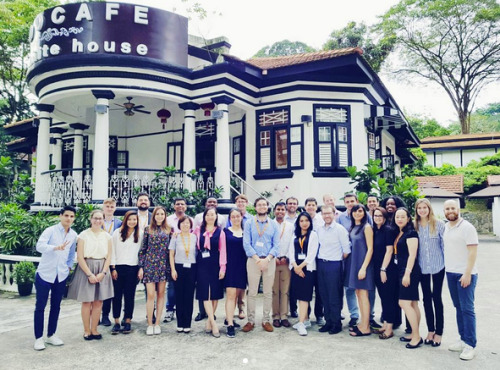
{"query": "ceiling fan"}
pixel 131 108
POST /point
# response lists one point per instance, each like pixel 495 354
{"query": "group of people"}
pixel 298 256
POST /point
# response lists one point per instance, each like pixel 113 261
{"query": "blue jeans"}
pixel 170 306
pixel 56 290
pixel 463 300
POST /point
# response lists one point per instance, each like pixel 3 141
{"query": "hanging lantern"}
pixel 207 108
pixel 163 115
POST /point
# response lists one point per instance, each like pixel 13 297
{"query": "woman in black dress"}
pixel 302 255
pixel 386 273
pixel 236 269
pixel 210 266
pixel 405 257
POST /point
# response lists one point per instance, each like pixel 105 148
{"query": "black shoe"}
pixel 325 328
pixel 96 336
pixel 353 322
pixel 105 321
pixel 127 328
pixel 404 339
pixel 375 325
pixel 123 322
pixel 200 317
pixel 409 346
pixel 230 331
pixel 335 330
pixel 235 324
pixel 294 314
pixel 116 329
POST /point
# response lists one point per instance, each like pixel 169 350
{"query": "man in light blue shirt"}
pixel 57 245
pixel 334 246
pixel 261 240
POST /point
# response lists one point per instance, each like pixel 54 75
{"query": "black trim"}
pixel 330 174
pixel 44 108
pixel 274 175
pixel 103 94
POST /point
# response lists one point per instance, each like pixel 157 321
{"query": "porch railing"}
pixel 74 186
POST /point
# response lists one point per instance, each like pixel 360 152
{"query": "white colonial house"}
pixel 123 92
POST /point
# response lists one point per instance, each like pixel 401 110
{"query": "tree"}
pixel 454 43
pixel 426 127
pixel 359 35
pixel 284 48
pixel 483 120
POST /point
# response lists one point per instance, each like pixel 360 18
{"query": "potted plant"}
pixel 24 277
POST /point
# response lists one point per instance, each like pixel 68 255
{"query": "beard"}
pixel 451 216
pixel 261 213
pixel 143 207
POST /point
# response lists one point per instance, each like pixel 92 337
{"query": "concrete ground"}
pixel 283 348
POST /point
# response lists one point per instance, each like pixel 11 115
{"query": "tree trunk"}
pixel 464 119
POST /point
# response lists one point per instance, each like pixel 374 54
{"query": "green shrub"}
pixel 24 272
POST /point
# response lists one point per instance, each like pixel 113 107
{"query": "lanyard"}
pixel 396 243
pixel 110 226
pixel 301 243
pixel 258 228
pixel 282 230
pixel 186 247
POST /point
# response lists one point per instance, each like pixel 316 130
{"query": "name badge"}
pixel 205 254
pixel 395 260
pixel 259 244
pixel 302 256
pixel 186 265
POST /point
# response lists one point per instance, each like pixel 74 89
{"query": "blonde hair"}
pixel 241 196
pixel 109 201
pixel 431 217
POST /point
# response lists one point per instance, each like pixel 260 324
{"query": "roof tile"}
pixel 453 183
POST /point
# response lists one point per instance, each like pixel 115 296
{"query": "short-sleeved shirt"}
pixel 180 244
pixel 95 245
pixel 456 240
pixel 402 251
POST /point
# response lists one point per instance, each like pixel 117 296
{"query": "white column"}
pixel 42 154
pixel 189 141
pixel 495 210
pixel 101 146
pixel 57 146
pixel 78 151
pixel 223 149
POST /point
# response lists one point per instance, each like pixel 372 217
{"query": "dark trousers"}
pixel 171 301
pixel 432 296
pixel 125 287
pixel 388 293
pixel 318 303
pixel 56 290
pixel 331 288
pixel 184 294
pixel 106 307
pixel 293 300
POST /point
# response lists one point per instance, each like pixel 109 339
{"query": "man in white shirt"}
pixel 282 274
pixel 211 202
pixel 143 205
pixel 292 204
pixel 460 254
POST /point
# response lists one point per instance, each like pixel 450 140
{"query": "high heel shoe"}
pixel 411 346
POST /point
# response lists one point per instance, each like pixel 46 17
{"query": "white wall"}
pixel 495 210
pixel 453 156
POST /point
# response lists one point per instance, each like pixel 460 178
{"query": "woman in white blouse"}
pixel 302 255
pixel 92 282
pixel 124 269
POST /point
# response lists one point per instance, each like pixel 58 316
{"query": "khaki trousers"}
pixel 254 275
pixel 280 292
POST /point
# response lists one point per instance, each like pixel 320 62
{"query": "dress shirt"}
pixel 333 242
pixel 125 252
pixel 198 219
pixel 291 219
pixel 246 217
pixel 270 238
pixel 317 222
pixel 56 263
pixel 112 225
pixel 312 252
pixel 173 220
pixel 431 248
pixel 286 234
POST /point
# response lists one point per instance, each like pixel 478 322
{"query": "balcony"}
pixel 72 186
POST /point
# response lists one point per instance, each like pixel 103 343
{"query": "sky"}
pixel 251 25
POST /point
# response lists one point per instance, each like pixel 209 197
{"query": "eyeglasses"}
pixel 97 218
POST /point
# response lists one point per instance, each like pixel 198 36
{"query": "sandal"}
pixel 358 333
pixel 384 336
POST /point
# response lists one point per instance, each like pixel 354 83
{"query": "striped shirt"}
pixel 431 248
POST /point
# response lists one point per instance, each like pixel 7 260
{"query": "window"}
pixel 373 146
pixel 332 131
pixel 279 143
pixel 238 155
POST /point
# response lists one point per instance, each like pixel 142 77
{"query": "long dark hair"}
pixel 364 220
pixel 204 223
pixel 409 226
pixel 124 229
pixel 236 210
pixel 298 230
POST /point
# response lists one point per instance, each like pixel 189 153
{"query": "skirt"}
pixel 302 287
pixel 81 290
pixel 409 293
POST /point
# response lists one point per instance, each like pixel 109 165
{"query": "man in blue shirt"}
pixel 57 245
pixel 261 242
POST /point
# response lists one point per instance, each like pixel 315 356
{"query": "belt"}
pixel 327 261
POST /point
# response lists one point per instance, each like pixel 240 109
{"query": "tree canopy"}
pixel 284 48
pixel 360 35
pixel 454 43
pixel 426 127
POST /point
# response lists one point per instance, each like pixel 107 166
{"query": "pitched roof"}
pixel 460 141
pixel 289 60
pixel 453 183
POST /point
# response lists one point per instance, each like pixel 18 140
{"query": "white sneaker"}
pixel 157 330
pixel 307 323
pixel 468 353
pixel 39 344
pixel 150 330
pixel 180 330
pixel 457 347
pixel 54 340
pixel 295 326
pixel 301 328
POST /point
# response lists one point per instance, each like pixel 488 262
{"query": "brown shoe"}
pixel 267 326
pixel 285 323
pixel 276 323
pixel 248 327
